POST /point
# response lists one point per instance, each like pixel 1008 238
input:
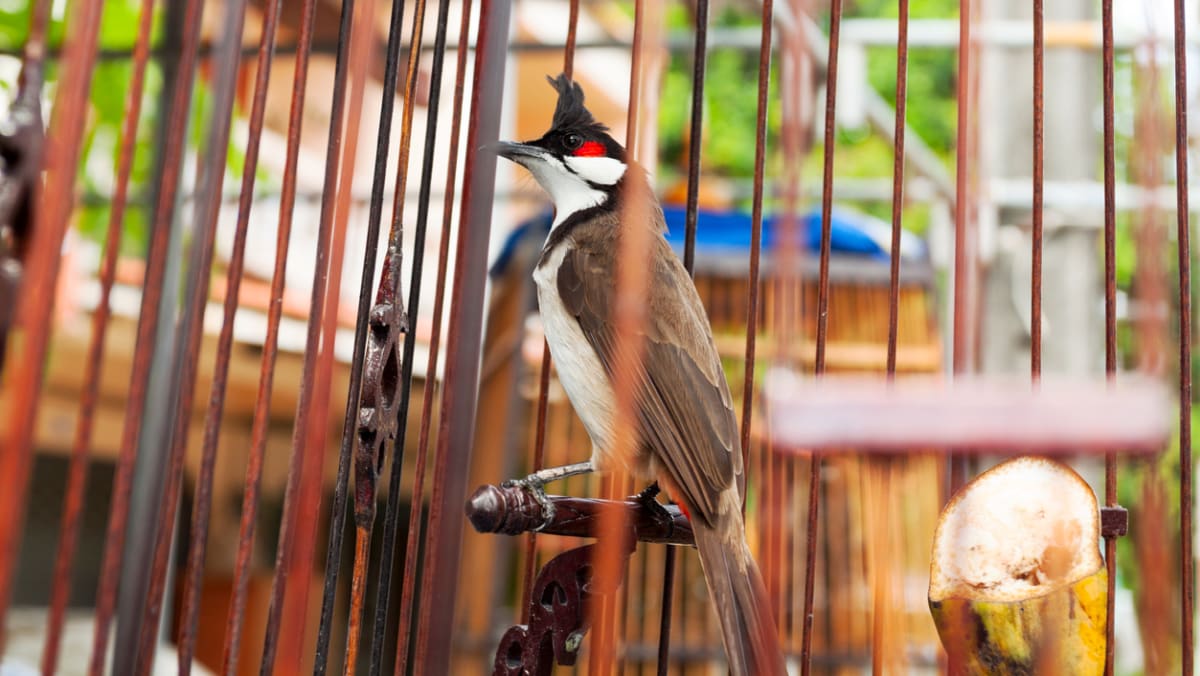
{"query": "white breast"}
pixel 579 369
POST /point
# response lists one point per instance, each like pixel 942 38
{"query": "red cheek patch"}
pixel 591 149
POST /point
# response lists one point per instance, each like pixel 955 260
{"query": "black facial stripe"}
pixel 604 187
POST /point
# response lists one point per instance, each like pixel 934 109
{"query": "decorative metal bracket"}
pixel 379 404
pixel 558 616
pixel 559 600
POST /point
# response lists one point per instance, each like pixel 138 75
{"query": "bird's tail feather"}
pixel 737 590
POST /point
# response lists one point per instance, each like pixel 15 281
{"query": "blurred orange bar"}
pixel 968 415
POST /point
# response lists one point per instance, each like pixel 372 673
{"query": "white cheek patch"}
pixel 600 170
pixel 570 193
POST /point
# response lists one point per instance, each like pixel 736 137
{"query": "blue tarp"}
pixel 851 232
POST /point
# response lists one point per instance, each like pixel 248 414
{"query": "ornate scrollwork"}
pixel 558 617
pixel 379 404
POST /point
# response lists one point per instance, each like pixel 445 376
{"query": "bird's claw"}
pixel 535 486
pixel 647 499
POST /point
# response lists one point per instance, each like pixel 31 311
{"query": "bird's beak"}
pixel 515 151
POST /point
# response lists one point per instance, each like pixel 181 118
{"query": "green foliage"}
pixel 106 115
pixel 730 100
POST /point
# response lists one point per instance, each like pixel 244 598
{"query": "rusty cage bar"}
pixel 199 515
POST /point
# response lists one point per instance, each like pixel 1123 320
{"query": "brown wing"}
pixel 685 413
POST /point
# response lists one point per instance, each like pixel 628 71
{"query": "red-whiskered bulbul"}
pixel 687 432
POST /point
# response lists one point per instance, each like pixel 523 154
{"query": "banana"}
pixel 1017 584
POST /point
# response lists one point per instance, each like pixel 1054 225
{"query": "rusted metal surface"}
pixel 384 395
pixel 559 616
pixel 378 326
pixel 1183 235
pixel 814 484
pixel 882 653
pixel 897 186
pixel 202 499
pixel 512 510
pixel 1110 319
pixel 145 347
pixel 460 388
pixel 1039 178
pixel 433 106
pixel 831 70
pixel 695 135
pixel 74 499
pixel 1114 522
pixel 412 549
pixel 185 365
pixel 756 218
pixel 36 295
pixel 1060 416
pixel 285 556
pixel 258 440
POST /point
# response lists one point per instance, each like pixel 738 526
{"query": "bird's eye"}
pixel 572 141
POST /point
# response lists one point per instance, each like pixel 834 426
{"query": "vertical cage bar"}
pixel 387 297
pixel 696 135
pixel 695 145
pixel 146 344
pixel 539 443
pixel 1187 568
pixel 414 304
pixel 880 469
pixel 756 218
pixel 963 247
pixel 1110 312
pixel 202 500
pixel 897 186
pixel 262 405
pixel 835 22
pixel 628 312
pixel 52 205
pixel 77 481
pixel 814 485
pixel 289 522
pixel 411 552
pixel 1039 152
pixel 211 171
pixel 301 559
pixel 460 391
pixel 354 390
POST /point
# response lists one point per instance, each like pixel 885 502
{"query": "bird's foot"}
pixel 648 500
pixel 536 487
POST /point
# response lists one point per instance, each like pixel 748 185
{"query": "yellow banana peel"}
pixel 1017 584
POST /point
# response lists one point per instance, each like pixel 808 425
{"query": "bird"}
pixel 688 439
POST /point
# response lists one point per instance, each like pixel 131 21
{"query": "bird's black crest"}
pixel 570 112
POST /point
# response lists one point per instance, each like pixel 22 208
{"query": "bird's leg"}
pixel 535 483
